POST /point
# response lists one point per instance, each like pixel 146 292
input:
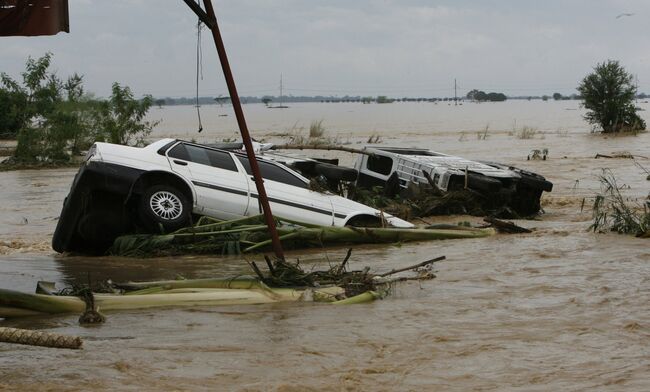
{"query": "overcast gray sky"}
pixel 338 47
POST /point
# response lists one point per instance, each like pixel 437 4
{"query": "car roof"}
pixel 170 142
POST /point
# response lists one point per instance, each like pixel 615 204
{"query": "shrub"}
pixel 608 94
pixel 612 212
pixel 316 129
pixel 54 119
pixel 120 120
pixel 526 133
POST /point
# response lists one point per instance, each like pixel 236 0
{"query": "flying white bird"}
pixel 624 14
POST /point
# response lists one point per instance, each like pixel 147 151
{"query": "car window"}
pixel 273 172
pixel 179 152
pixel 380 164
pixel 204 156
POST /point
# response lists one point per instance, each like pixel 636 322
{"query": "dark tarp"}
pixel 33 17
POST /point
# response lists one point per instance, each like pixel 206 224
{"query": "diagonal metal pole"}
pixel 209 18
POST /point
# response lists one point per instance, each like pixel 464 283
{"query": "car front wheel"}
pixel 163 205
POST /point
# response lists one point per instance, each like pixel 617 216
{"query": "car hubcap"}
pixel 166 205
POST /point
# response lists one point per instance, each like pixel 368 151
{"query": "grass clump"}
pixel 612 212
pixel 526 133
pixel 315 137
pixel 316 129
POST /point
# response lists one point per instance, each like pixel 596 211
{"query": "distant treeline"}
pixel 474 95
pixel 295 99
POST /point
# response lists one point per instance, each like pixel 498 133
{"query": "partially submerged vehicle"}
pixel 395 169
pixel 515 188
pixel 163 186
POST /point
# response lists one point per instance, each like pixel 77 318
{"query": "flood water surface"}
pixel 559 309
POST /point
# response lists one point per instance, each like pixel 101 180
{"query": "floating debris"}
pixel 612 212
pixel 250 235
pixel 38 338
pixel 285 282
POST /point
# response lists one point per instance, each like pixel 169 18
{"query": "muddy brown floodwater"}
pixel 561 309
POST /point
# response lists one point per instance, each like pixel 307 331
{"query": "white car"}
pixel 122 189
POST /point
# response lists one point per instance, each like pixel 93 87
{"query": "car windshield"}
pixel 273 172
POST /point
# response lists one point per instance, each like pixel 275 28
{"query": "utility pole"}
pixel 209 18
pixel 455 93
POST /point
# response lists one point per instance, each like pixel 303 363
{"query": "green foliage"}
pixel 120 120
pixel 53 119
pixel 477 95
pixel 608 94
pixel 12 105
pixel 42 129
pixel 612 212
pixel 557 96
pixel 384 99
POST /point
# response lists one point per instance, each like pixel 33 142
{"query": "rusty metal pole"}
pixel 210 19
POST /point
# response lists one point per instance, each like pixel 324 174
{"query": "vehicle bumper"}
pixel 93 177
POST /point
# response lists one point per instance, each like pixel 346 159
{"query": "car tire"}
pixel 164 206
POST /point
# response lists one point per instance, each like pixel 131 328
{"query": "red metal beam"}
pixel 210 20
pixel 34 17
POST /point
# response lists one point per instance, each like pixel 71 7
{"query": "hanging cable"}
pixel 199 70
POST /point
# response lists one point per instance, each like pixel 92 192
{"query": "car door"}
pixel 289 195
pixel 221 189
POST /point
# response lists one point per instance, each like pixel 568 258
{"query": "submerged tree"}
pixel 54 119
pixel 120 120
pixel 608 94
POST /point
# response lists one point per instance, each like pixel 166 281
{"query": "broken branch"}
pixel 419 265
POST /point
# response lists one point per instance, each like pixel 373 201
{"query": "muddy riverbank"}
pixel 559 309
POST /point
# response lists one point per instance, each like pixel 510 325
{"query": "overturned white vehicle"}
pixel 121 189
pixel 515 188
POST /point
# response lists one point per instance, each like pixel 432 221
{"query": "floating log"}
pixel 38 338
pixel 320 147
pixel 186 293
pixel 246 235
pixel 506 227
pixel 419 265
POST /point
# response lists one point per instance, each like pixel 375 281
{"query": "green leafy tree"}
pixel 55 119
pixel 384 99
pixel 12 105
pixel 120 120
pixel 72 121
pixel 472 94
pixel 608 94
pixel 496 97
pixel 557 96
pixel 478 95
pixel 38 96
